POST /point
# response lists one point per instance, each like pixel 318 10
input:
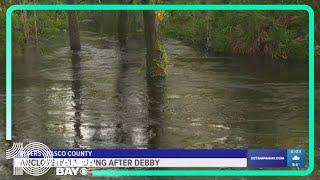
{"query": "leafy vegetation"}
pixel 280 35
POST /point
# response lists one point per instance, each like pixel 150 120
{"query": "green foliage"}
pixel 2 25
pixel 50 23
pixel 158 67
pixel 272 33
pixel 279 42
pixel 279 35
pixel 162 63
pixel 18 30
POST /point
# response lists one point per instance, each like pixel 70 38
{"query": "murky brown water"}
pixel 100 98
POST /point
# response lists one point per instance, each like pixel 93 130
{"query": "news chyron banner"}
pixel 37 159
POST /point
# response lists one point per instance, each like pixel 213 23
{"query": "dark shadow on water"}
pixel 121 135
pixel 147 115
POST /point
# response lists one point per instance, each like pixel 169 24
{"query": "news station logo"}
pixel 35 167
pixel 71 171
pixel 36 159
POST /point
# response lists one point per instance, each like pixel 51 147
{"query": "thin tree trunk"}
pixel 74 34
pixel 156 62
pixel 123 25
pixel 317 18
pixel 25 27
pixel 123 28
pixel 35 27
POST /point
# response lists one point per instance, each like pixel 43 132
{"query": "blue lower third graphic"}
pixel 148 158
pixel 147 153
pixel 113 158
pixel 267 158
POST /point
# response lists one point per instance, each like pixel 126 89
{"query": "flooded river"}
pixel 100 98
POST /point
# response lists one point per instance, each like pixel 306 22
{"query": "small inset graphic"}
pixel 296 158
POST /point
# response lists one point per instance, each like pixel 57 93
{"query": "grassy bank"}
pixel 274 34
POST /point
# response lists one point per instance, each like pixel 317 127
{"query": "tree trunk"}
pixel 156 61
pixel 316 11
pixel 35 27
pixel 123 28
pixel 123 25
pixel 74 29
pixel 25 26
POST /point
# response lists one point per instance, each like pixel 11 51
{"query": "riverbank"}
pixel 271 34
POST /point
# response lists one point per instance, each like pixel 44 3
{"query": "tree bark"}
pixel 156 58
pixel 316 11
pixel 35 26
pixel 25 26
pixel 74 34
pixel 123 28
pixel 123 25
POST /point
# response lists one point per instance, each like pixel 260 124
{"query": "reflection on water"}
pixel 76 89
pixel 99 98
